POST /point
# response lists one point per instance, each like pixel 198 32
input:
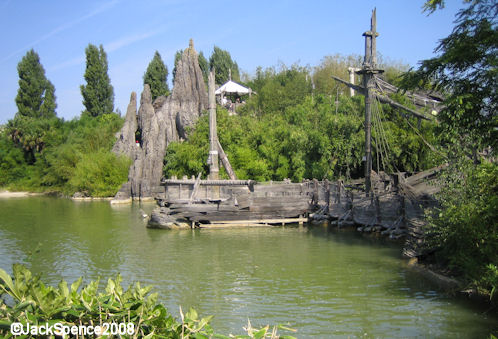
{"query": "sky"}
pixel 256 33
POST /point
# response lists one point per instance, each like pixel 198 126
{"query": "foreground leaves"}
pixel 25 299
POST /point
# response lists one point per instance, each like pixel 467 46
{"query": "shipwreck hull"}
pixel 238 204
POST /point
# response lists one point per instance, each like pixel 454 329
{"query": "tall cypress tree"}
pixel 156 76
pixel 223 64
pixel 35 117
pixel 204 65
pixel 36 95
pixel 98 94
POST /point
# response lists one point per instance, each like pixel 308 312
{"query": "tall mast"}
pixel 369 70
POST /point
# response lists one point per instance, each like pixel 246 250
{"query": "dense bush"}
pixel 465 228
pixel 25 299
pixel 75 157
pixel 287 131
pixel 100 174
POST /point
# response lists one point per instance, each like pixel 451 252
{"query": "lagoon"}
pixel 322 281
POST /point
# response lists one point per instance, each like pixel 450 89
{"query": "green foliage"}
pixel 12 162
pixel 405 148
pixel 464 228
pixel 31 134
pixel 465 69
pixel 80 159
pixel 36 95
pixel 204 66
pixel 222 62
pixel 32 302
pixel 432 5
pixel 393 70
pixel 336 65
pixel 156 76
pixel 98 94
pixel 295 135
pixel 279 89
pixel 76 157
pixel 36 105
pixel 99 174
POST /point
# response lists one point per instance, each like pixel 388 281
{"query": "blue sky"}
pixel 256 33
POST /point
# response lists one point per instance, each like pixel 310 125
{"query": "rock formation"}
pixel 161 218
pixel 160 123
pixel 126 137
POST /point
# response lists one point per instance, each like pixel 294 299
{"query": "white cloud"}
pixel 104 7
pixel 72 62
pixel 128 40
pixel 109 48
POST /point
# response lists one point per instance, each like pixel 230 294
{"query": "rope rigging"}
pixel 381 143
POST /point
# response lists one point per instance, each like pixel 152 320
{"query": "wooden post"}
pixel 403 210
pixel 352 205
pixel 315 191
pixel 327 196
pixel 213 161
pixel 368 136
pixel 214 167
pixel 351 71
pixel 339 191
pixel 377 210
pixel 368 71
pixel 225 162
pixel 373 25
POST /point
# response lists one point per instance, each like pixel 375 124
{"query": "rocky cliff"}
pixel 125 143
pixel 159 123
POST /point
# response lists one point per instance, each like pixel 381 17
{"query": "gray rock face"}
pixel 189 93
pixel 161 122
pixel 126 137
pixel 160 218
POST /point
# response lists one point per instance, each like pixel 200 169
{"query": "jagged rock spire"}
pixel 161 123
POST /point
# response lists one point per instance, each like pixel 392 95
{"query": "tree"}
pixel 465 70
pixel 35 118
pixel 334 65
pixel 222 62
pixel 279 89
pixel 98 94
pixel 463 228
pixel 178 57
pixel 156 76
pixel 36 95
pixel 204 65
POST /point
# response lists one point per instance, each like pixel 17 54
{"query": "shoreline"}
pixel 6 194
pixel 9 194
pixel 452 286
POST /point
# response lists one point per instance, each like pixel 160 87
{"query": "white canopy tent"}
pixel 231 87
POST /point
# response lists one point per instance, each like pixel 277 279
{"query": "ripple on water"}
pixel 325 284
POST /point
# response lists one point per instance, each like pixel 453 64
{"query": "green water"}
pixel 322 282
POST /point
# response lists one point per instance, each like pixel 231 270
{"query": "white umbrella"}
pixel 232 87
